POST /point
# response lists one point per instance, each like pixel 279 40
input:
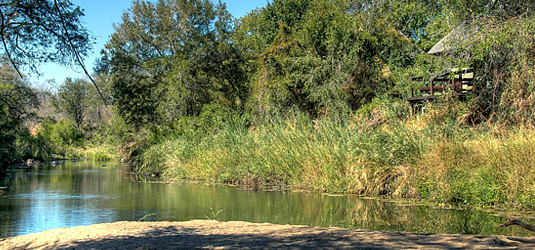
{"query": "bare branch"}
pixel 8 53
pixel 77 54
pixel 519 223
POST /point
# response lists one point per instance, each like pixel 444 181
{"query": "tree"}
pixel 17 104
pixel 169 59
pixel 41 31
pixel 321 57
pixel 72 100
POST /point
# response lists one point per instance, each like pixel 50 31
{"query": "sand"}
pixel 210 234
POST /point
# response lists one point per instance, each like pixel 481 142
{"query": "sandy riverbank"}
pixel 203 234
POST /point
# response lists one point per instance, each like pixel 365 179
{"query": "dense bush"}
pixel 503 58
pixel 17 104
pixel 63 133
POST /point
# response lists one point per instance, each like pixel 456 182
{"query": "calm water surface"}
pixel 84 193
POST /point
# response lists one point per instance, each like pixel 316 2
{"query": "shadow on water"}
pixel 84 193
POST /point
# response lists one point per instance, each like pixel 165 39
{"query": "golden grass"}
pixel 414 158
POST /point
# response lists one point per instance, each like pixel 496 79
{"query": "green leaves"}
pixel 34 32
pixel 323 59
pixel 169 59
pixel 17 105
pixel 72 100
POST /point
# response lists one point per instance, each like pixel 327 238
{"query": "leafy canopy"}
pixel 169 59
pixel 38 31
pixel 72 100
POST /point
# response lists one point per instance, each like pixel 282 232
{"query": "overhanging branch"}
pixel 76 53
pixel 8 53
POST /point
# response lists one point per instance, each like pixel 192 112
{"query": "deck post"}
pixel 461 81
pixel 431 87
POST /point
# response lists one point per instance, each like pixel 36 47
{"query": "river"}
pixel 85 193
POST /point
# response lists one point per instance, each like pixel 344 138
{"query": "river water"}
pixel 84 193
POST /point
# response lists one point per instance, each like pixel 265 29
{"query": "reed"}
pixel 326 155
pixel 488 169
pixel 411 158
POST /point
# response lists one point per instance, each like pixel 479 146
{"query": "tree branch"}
pixel 77 54
pixel 519 223
pixel 8 53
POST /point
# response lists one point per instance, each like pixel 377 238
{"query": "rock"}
pixel 29 163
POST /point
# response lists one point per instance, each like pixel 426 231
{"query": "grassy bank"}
pixel 104 152
pixel 412 158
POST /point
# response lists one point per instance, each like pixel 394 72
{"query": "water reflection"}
pixel 83 193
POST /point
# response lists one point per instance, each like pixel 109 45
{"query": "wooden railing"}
pixel 458 85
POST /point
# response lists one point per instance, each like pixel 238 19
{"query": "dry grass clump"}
pixel 487 169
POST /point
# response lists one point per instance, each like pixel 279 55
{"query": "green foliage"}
pixel 17 104
pixel 34 32
pixel 62 134
pixel 501 53
pixel 322 60
pixel 467 9
pixel 72 100
pixel 171 58
pixel 134 98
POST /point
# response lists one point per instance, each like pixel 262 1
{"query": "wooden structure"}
pixel 457 83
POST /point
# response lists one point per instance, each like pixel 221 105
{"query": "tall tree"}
pixel 72 100
pixel 323 57
pixel 170 58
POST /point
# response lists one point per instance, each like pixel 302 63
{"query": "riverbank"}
pixel 209 234
pixel 417 158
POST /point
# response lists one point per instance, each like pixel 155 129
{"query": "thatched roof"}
pixel 456 37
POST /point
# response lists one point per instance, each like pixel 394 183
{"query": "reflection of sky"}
pixel 51 209
pixel 58 197
pixel 79 194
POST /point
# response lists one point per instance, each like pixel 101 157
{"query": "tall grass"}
pixel 416 157
pixel 325 155
pixel 103 152
pixel 488 169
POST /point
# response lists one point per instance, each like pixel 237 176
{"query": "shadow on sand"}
pixel 174 237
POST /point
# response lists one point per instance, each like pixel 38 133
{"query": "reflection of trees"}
pixel 10 212
pixel 93 194
pixel 377 215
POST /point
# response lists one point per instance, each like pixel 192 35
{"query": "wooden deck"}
pixel 460 84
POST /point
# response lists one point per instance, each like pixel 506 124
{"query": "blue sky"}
pixel 100 15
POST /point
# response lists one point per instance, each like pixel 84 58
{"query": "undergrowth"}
pixel 416 157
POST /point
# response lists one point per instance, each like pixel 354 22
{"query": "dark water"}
pixel 84 193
